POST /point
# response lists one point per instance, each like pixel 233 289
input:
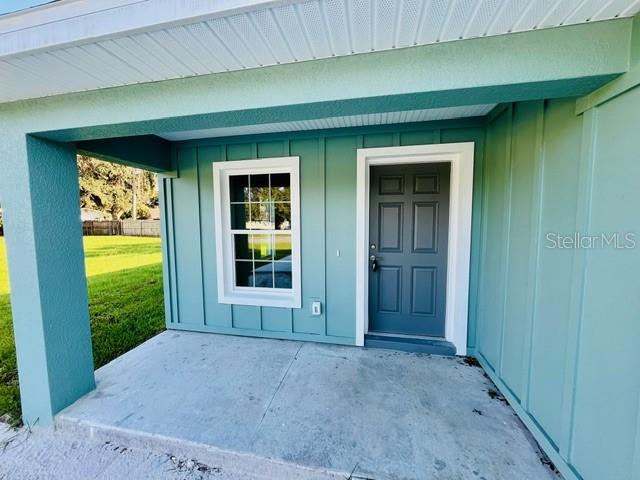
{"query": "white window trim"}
pixel 227 291
pixel 460 155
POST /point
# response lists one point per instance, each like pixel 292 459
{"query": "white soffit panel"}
pixel 335 122
pixel 76 45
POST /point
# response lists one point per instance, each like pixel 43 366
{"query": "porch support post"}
pixel 40 199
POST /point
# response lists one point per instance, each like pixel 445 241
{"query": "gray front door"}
pixel 408 235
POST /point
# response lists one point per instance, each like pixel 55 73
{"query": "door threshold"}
pixel 404 335
pixel 410 343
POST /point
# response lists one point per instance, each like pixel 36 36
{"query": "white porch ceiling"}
pixel 78 45
pixel 335 122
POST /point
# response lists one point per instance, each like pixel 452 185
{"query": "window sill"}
pixel 281 300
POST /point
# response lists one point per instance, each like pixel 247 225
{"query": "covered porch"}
pixel 290 409
pixel 551 114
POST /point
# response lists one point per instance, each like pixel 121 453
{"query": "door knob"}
pixel 374 263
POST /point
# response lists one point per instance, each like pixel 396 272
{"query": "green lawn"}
pixel 125 304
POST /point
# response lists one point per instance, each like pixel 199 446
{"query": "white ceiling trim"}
pixel 78 45
pixel 335 122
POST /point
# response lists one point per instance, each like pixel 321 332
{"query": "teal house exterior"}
pixel 272 129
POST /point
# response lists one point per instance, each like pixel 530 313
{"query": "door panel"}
pixel 408 236
pixel 425 183
pixel 390 227
pixel 390 285
pixel 423 290
pixel 425 227
pixel 391 184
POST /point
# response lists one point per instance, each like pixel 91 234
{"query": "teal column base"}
pixel 40 199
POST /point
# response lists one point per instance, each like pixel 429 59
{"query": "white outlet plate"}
pixel 316 308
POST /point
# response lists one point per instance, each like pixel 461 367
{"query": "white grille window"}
pixel 257 231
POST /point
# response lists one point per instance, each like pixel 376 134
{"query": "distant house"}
pixel 154 213
pixel 88 215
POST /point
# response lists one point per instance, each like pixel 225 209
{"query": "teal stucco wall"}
pixel 558 329
pixel 328 216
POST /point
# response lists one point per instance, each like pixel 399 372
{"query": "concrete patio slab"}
pixel 288 409
pixel 43 454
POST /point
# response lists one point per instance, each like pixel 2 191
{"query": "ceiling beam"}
pixel 551 63
pixel 146 151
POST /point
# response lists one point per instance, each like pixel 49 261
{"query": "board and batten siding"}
pixel 328 226
pixel 558 329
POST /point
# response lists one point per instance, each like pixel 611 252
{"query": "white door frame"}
pixel 460 155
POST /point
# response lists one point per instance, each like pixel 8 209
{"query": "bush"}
pixel 144 213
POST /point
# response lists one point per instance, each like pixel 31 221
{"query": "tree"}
pixel 108 187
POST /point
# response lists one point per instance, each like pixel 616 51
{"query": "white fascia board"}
pixel 71 22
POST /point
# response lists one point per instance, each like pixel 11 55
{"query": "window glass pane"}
pixel 258 203
pixel 264 274
pixel 261 216
pixel 282 249
pixel 282 275
pixel 262 247
pixel 244 273
pixel 242 250
pixel 280 187
pixel 239 188
pixel 282 214
pixel 259 188
pixel 240 216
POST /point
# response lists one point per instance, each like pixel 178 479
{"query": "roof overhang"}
pixel 80 45
pixel 549 63
pixel 72 22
